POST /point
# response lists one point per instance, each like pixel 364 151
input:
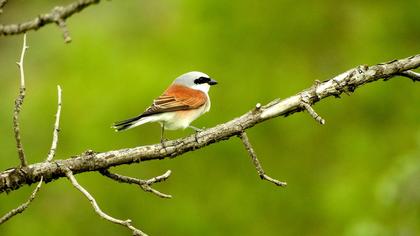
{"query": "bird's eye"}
pixel 202 80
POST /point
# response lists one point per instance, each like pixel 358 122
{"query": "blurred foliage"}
pixel 357 175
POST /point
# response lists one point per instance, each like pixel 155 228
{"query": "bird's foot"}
pixel 197 129
pixel 162 141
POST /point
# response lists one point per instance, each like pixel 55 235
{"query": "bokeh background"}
pixel 357 175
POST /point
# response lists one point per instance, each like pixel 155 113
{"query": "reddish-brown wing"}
pixel 176 98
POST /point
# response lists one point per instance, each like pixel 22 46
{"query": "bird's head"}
pixel 196 80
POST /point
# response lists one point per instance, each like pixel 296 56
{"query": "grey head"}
pixel 195 80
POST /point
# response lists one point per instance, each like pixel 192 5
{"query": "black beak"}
pixel 212 82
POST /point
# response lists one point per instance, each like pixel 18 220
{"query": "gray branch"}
pixel 22 207
pixel 93 161
pixel 53 148
pixel 57 15
pixel 51 153
pixel 143 184
pixel 126 223
pixel 414 76
pixel 18 106
pixel 244 137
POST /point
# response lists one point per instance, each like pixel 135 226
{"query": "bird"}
pixel 181 103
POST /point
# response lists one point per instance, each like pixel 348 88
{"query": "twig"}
pixel 350 80
pixel 312 112
pixel 22 207
pixel 2 3
pixel 18 106
pixel 414 76
pixel 144 184
pixel 53 148
pixel 256 162
pixel 58 15
pixel 126 223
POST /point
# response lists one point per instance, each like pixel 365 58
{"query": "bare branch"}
pixel 53 148
pixel 414 76
pixel 58 15
pixel 51 153
pixel 18 106
pixel 22 207
pixel 244 137
pixel 126 223
pixel 91 161
pixel 144 184
pixel 312 112
pixel 305 103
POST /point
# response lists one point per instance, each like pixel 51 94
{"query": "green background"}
pixel 357 175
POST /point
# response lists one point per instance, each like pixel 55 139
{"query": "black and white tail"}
pixel 130 123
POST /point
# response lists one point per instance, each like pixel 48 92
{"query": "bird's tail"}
pixel 130 123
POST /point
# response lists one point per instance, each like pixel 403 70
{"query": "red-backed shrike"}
pixel 185 100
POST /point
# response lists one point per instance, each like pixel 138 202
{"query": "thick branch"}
pixel 57 15
pixel 18 106
pixel 126 223
pixel 91 161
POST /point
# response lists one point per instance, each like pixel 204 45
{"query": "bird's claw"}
pixel 197 129
pixel 162 141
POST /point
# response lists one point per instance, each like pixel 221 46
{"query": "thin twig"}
pixel 144 184
pixel 57 15
pixel 22 207
pixel 256 162
pixel 53 148
pixel 18 106
pixel 312 112
pixel 126 223
pixel 414 76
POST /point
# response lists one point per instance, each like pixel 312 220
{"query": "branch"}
pixel 244 137
pixel 18 106
pixel 144 184
pixel 53 148
pixel 22 207
pixel 126 223
pixel 91 161
pixel 57 15
pixel 414 76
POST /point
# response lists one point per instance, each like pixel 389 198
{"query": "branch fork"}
pixel 57 15
pixel 146 185
pixel 126 223
pixel 16 125
pixel 414 76
pixel 305 104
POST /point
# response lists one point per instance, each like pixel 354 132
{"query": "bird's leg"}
pixel 197 130
pixel 162 139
